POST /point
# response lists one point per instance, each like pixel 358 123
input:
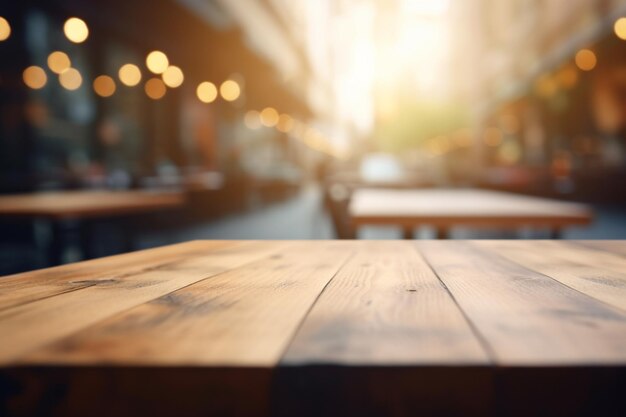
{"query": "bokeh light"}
pixel 285 123
pixel 58 62
pixel 586 60
pixel 620 28
pixel 206 92
pixel 230 90
pixel 252 119
pixel 104 86
pixel 568 77
pixel 34 77
pixel 71 79
pixel 157 62
pixel 546 86
pixel 76 30
pixel 155 88
pixel 129 75
pixel 5 29
pixel 269 117
pixel 173 76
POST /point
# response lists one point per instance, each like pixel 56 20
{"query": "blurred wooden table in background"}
pixel 321 328
pixel 69 212
pixel 82 204
pixel 445 209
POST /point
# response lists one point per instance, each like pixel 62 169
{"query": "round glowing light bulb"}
pixel 104 86
pixel 285 123
pixel 269 117
pixel 155 88
pixel 586 60
pixel 206 92
pixel 620 28
pixel 129 75
pixel 35 77
pixel 157 62
pixel 71 79
pixel 5 29
pixel 76 30
pixel 58 62
pixel 173 76
pixel 230 90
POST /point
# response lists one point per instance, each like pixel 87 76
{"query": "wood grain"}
pixel 35 285
pixel 384 338
pixel 321 328
pixel 598 274
pixel 527 318
pixel 385 307
pixel 34 324
pixel 243 317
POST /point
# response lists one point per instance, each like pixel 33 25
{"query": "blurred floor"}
pixel 301 217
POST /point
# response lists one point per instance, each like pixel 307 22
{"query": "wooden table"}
pixel 84 204
pixel 321 328
pixel 65 210
pixel 446 208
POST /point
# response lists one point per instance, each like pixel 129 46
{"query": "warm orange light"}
pixel 76 30
pixel 104 86
pixel 173 76
pixel 206 92
pixel 269 117
pixel 568 77
pixel 155 88
pixel 252 119
pixel 546 87
pixel 129 75
pixel 5 29
pixel 35 77
pixel 71 79
pixel 493 136
pixel 58 62
pixel 586 60
pixel 157 62
pixel 620 28
pixel 230 90
pixel 285 123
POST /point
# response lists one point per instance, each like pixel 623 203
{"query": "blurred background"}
pixel 264 116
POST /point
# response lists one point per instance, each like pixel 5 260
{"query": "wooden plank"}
pixel 526 317
pixel 385 307
pixel 35 285
pixel 32 325
pixel 383 337
pixel 598 274
pixel 243 317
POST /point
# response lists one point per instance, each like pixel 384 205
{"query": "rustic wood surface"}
pixel 462 207
pixel 84 204
pixel 282 328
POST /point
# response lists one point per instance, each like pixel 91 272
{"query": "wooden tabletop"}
pixel 462 207
pixel 319 328
pixel 84 203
